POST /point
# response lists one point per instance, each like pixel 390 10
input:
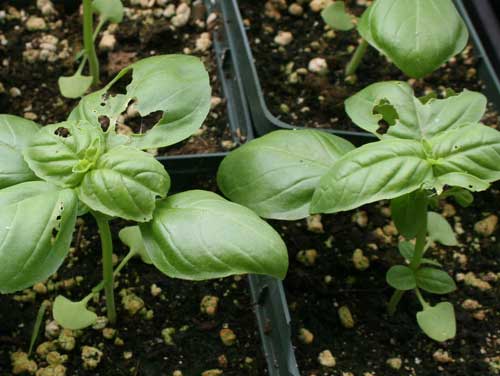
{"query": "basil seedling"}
pixel 418 36
pixel 51 174
pixel 109 10
pixel 428 148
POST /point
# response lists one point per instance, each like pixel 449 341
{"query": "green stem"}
pixel 356 59
pixel 88 40
pixel 81 66
pixel 421 299
pixel 107 265
pixel 395 299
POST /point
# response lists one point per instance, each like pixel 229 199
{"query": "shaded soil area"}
pixel 299 97
pixel 33 60
pixel 316 292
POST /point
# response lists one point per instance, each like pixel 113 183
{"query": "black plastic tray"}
pixel 264 121
pixel 184 167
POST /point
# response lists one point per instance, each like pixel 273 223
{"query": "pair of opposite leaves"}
pixel 417 35
pixel 47 178
pixel 290 174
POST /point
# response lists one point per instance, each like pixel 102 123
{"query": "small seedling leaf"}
pixel 401 278
pixel 406 249
pixel 74 86
pixel 72 315
pixel 435 281
pixel 131 237
pixel 438 322
pixel 440 230
pixel 336 16
pixel 109 10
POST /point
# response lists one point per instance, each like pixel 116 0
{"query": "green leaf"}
pixel 462 196
pixel 178 85
pixel 435 281
pixel 72 315
pixel 132 238
pixel 408 212
pixel 418 36
pixel 336 16
pixel 125 183
pixel 36 226
pixel 406 249
pixel 462 180
pixel 373 172
pixel 109 10
pixel 197 235
pixel 401 278
pixel 74 86
pixel 438 322
pixel 412 118
pixel 440 230
pixel 474 150
pixel 63 153
pixel 276 175
pixel 15 134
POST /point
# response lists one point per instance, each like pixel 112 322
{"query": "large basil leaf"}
pixel 474 150
pixel 373 172
pixel 15 133
pixel 198 235
pixel 276 175
pixel 414 120
pixel 178 85
pixel 125 183
pixel 63 153
pixel 36 226
pixel 417 35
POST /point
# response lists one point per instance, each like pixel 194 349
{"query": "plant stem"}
pixel 421 299
pixel 88 40
pixel 393 303
pixel 356 59
pixel 107 265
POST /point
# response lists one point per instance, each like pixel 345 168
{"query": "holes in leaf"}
pixel 120 86
pixel 389 115
pixel 62 132
pixel 104 121
pixel 141 124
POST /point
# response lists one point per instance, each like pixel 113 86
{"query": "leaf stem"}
pixel 421 299
pixel 88 40
pixel 107 264
pixel 395 299
pixel 356 59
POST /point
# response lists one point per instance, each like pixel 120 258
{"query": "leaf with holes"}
pixel 125 183
pixel 36 226
pixel 15 135
pixel 177 85
pixel 411 118
pixel 276 175
pixel 417 35
pixel 373 172
pixel 63 153
pixel 198 235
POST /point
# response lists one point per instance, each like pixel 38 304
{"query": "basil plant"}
pixel 427 149
pixel 418 36
pixel 50 175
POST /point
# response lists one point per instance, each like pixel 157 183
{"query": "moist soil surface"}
pixel 316 292
pixel 32 62
pixel 318 101
pixel 141 349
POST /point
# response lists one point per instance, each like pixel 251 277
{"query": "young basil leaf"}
pixel 474 150
pixel 408 212
pixel 63 153
pixel 74 86
pixel 427 261
pixel 336 16
pixel 460 179
pixel 72 315
pixel 276 175
pixel 401 278
pixel 462 196
pixel 197 235
pixel 440 230
pixel 435 281
pixel 438 322
pixel 109 10
pixel 406 249
pixel 418 36
pixel 178 85
pixel 414 120
pixel 132 238
pixel 125 183
pixel 373 172
pixel 36 226
pixel 15 134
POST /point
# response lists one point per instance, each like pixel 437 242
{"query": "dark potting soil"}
pixel 315 293
pixel 196 344
pixel 32 62
pixel 318 101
